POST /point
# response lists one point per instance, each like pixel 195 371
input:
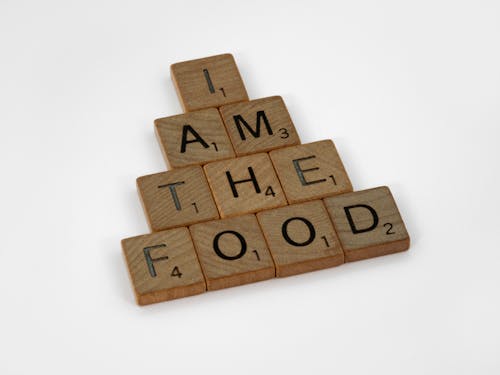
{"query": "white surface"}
pixel 409 93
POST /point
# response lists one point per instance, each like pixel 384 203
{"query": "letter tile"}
pixel 232 252
pixel 193 138
pixel 177 197
pixel 310 171
pixel 163 266
pixel 208 82
pixel 244 185
pixel 368 223
pixel 301 238
pixel 259 125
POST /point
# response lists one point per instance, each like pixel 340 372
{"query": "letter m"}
pixel 241 124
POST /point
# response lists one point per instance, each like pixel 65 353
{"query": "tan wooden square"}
pixel 244 185
pixel 232 252
pixel 208 82
pixel 368 223
pixel 310 171
pixel 176 197
pixel 259 125
pixel 193 138
pixel 163 266
pixel 301 238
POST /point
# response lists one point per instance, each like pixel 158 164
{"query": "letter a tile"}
pixel 301 238
pixel 232 252
pixel 193 138
pixel 208 82
pixel 368 223
pixel 259 125
pixel 163 266
pixel 244 185
pixel 310 171
pixel 176 197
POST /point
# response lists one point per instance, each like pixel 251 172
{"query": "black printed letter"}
pixel 173 192
pixel 150 261
pixel 197 138
pixel 300 171
pixel 351 221
pixel 239 121
pixel 312 232
pixel 228 257
pixel 233 183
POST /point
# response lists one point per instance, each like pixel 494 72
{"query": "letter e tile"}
pixel 310 171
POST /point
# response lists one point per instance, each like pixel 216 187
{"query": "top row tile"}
pixel 209 82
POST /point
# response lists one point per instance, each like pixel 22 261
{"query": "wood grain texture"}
pixel 310 171
pixel 177 197
pixel 193 138
pixel 368 223
pixel 301 238
pixel 232 252
pixel 259 125
pixel 208 82
pixel 163 266
pixel 244 185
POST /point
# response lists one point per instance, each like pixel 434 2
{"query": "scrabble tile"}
pixel 193 138
pixel 310 171
pixel 259 125
pixel 208 82
pixel 232 252
pixel 301 238
pixel 176 197
pixel 163 266
pixel 368 223
pixel 244 185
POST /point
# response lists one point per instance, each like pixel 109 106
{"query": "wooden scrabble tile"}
pixel 232 252
pixel 368 223
pixel 301 238
pixel 208 82
pixel 244 185
pixel 163 266
pixel 310 171
pixel 193 138
pixel 259 125
pixel 176 197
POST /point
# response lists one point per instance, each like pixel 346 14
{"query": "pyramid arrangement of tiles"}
pixel 244 200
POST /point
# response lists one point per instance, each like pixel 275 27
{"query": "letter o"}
pixel 227 257
pixel 312 232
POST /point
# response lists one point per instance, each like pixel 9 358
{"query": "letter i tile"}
pixel 368 223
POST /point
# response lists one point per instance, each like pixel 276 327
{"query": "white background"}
pixel 409 92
